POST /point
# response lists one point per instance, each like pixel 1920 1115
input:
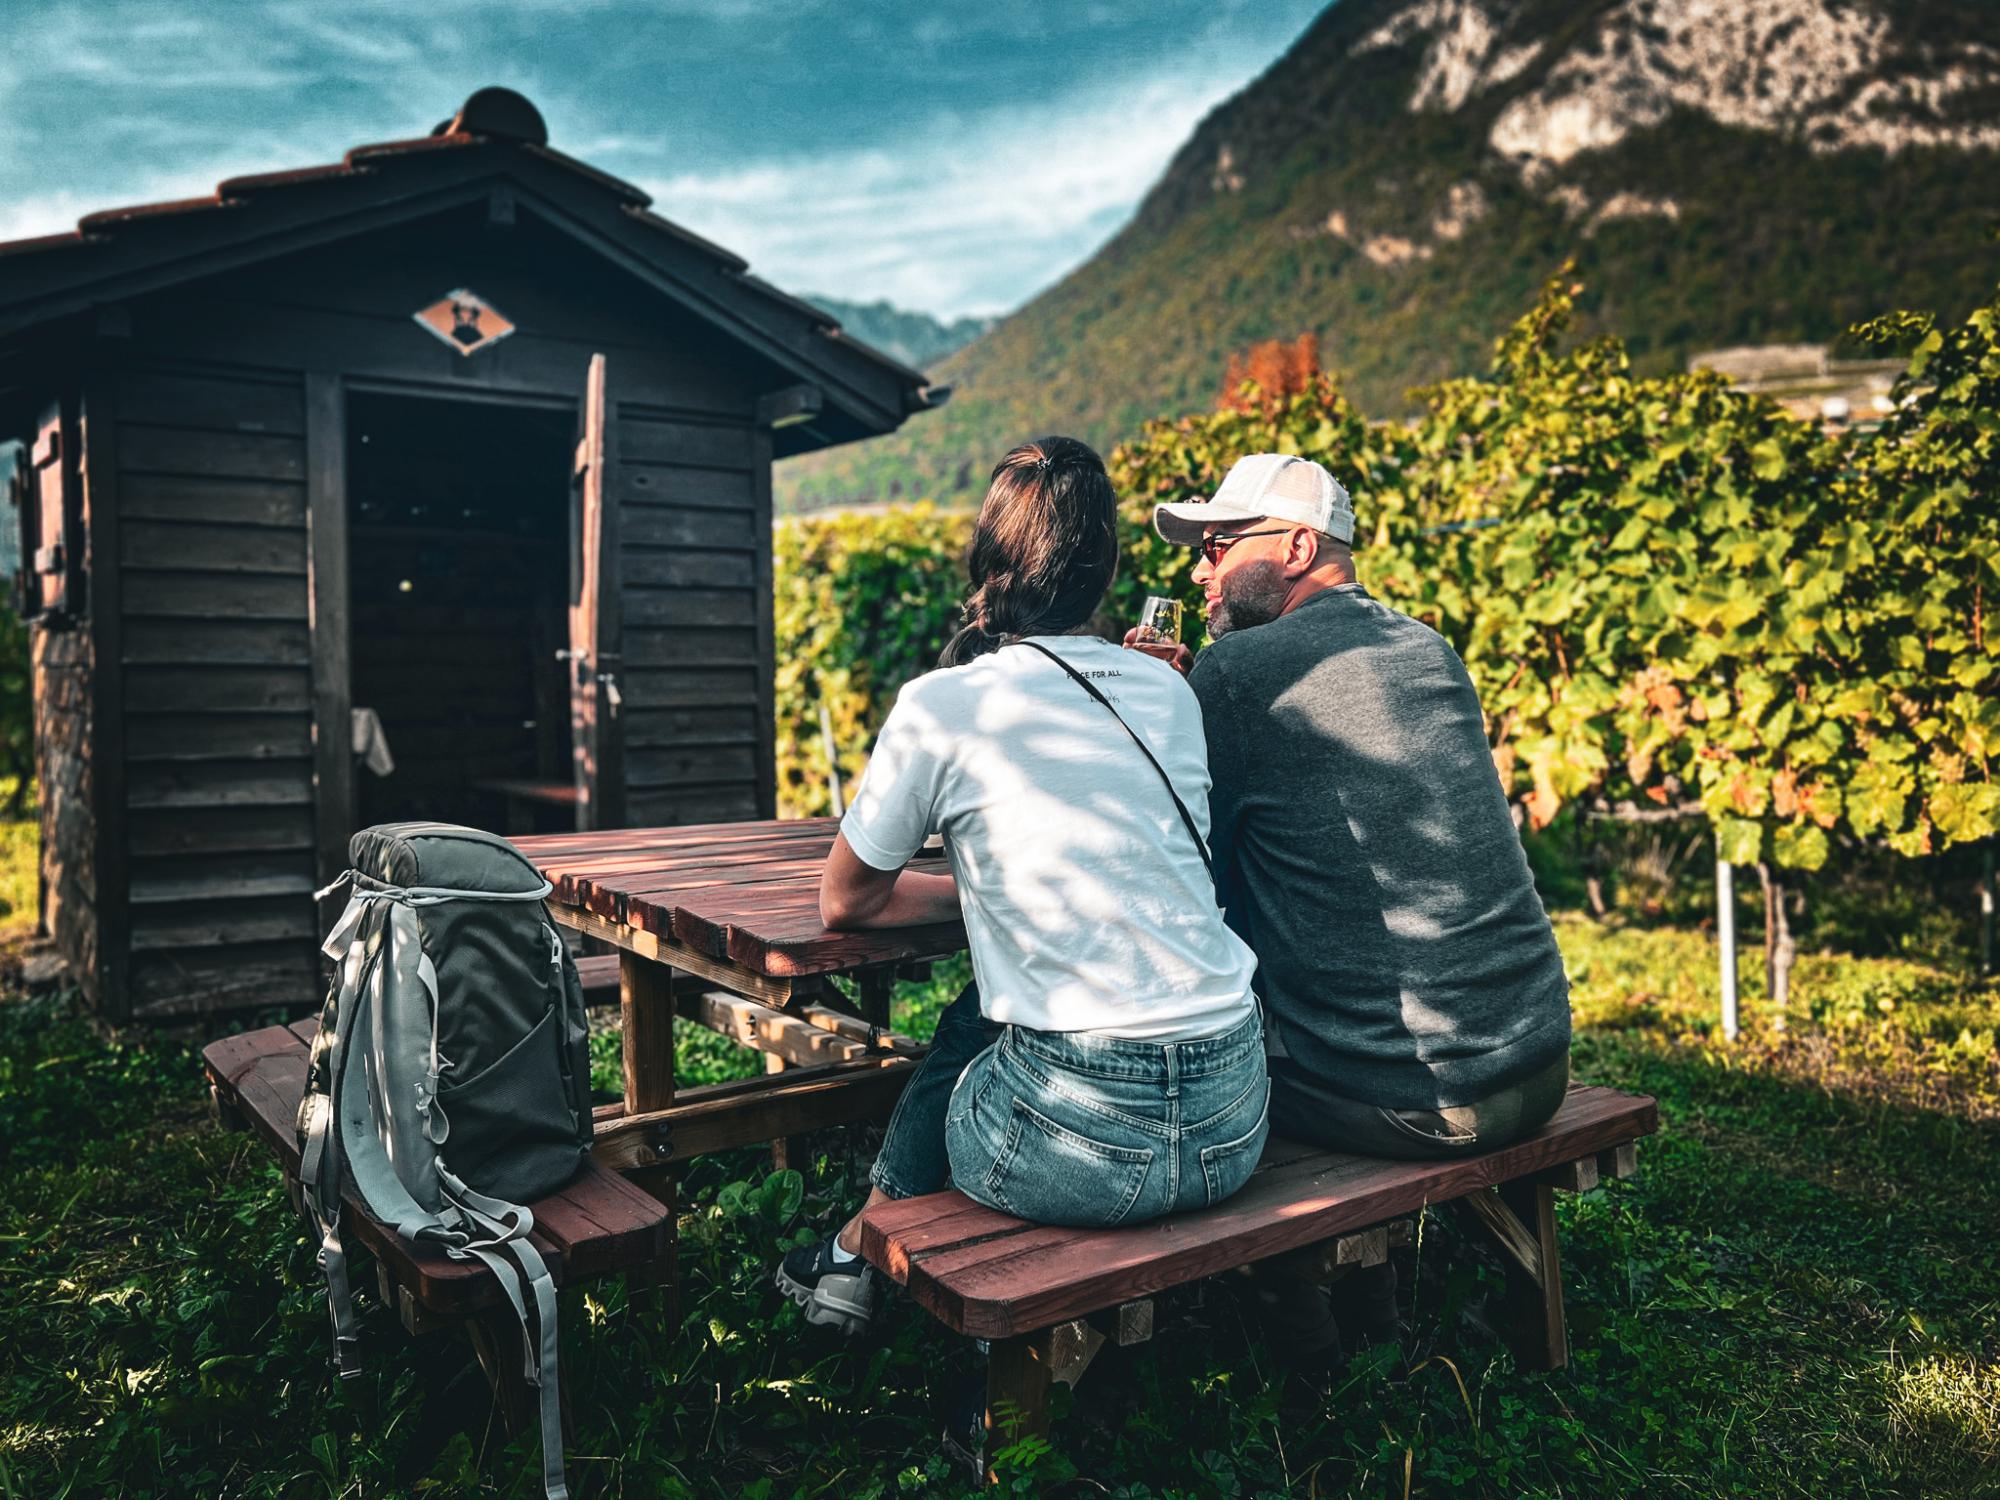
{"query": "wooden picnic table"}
pixel 720 923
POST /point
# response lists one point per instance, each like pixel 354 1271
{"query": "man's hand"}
pixel 1174 654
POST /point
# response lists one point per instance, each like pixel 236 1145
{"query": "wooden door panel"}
pixel 595 659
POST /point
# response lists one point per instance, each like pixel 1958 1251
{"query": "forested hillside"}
pixel 916 338
pixel 1403 178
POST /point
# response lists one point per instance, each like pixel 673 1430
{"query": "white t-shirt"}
pixel 1086 904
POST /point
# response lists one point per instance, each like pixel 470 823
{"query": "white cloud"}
pixel 971 209
pixel 26 215
pixel 144 48
pixel 43 213
pixel 969 217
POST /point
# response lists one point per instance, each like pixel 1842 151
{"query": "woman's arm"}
pixel 853 893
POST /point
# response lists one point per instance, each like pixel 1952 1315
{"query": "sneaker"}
pixel 833 1293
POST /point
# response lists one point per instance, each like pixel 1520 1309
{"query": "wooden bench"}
pixel 598 974
pixel 598 1224
pixel 1048 1298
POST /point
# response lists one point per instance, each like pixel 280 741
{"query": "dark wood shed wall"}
pixel 217 691
pixel 216 707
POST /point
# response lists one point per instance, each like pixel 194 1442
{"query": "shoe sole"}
pixel 826 1309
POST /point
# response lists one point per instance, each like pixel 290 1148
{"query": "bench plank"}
pixel 597 1223
pixel 991 1276
pixel 895 1233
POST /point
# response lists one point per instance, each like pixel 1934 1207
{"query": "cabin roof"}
pixel 120 252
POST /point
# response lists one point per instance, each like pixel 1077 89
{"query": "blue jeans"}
pixel 1072 1128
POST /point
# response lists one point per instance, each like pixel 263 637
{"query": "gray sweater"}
pixel 1363 848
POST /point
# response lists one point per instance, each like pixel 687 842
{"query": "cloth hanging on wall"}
pixel 370 744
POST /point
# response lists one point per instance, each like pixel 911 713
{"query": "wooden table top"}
pixel 746 892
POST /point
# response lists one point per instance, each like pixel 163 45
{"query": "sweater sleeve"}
pixel 1222 726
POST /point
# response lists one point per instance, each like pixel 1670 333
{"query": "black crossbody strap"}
pixel 1200 844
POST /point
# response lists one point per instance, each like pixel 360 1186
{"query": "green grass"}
pixel 1796 1296
pixel 19 891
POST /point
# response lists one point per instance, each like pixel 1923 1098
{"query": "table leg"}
pixel 1540 1331
pixel 1519 1220
pixel 646 1013
pixel 786 1150
pixel 1017 1394
pixel 877 985
pixel 646 1017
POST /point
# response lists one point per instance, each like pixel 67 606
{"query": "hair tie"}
pixel 1045 463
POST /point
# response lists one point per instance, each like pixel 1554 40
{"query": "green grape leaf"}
pixel 1801 846
pixel 1739 841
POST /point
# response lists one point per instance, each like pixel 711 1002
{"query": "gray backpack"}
pixel 450 1082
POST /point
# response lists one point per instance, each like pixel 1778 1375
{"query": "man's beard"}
pixel 1252 595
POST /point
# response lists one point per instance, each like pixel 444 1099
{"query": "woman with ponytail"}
pixel 1107 1064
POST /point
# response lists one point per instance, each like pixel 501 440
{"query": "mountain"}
pixel 916 338
pixel 1724 172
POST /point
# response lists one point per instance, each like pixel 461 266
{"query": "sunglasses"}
pixel 1212 547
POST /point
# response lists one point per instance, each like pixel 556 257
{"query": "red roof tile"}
pixel 62 239
pixel 106 218
pixel 257 181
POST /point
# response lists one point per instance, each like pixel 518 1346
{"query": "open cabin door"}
pixel 594 647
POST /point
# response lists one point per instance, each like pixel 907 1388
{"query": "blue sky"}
pixel 954 157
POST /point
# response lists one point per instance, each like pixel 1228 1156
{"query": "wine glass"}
pixel 1159 622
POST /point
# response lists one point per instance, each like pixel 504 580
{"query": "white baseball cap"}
pixel 1280 486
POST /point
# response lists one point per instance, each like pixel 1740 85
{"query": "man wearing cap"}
pixel 1416 1004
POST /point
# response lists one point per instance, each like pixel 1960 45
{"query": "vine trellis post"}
pixel 1725 937
pixel 1725 891
pixel 1986 911
pixel 832 758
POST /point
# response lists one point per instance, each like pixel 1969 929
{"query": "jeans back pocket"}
pixel 1054 1175
pixel 1227 1165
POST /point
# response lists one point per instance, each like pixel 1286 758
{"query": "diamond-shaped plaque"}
pixel 465 320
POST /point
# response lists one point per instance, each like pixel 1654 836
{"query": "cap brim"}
pixel 1184 523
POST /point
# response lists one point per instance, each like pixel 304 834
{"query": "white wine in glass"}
pixel 1160 622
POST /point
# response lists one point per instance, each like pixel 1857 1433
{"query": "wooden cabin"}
pixel 450 457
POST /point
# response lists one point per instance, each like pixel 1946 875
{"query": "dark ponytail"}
pixel 1044 549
